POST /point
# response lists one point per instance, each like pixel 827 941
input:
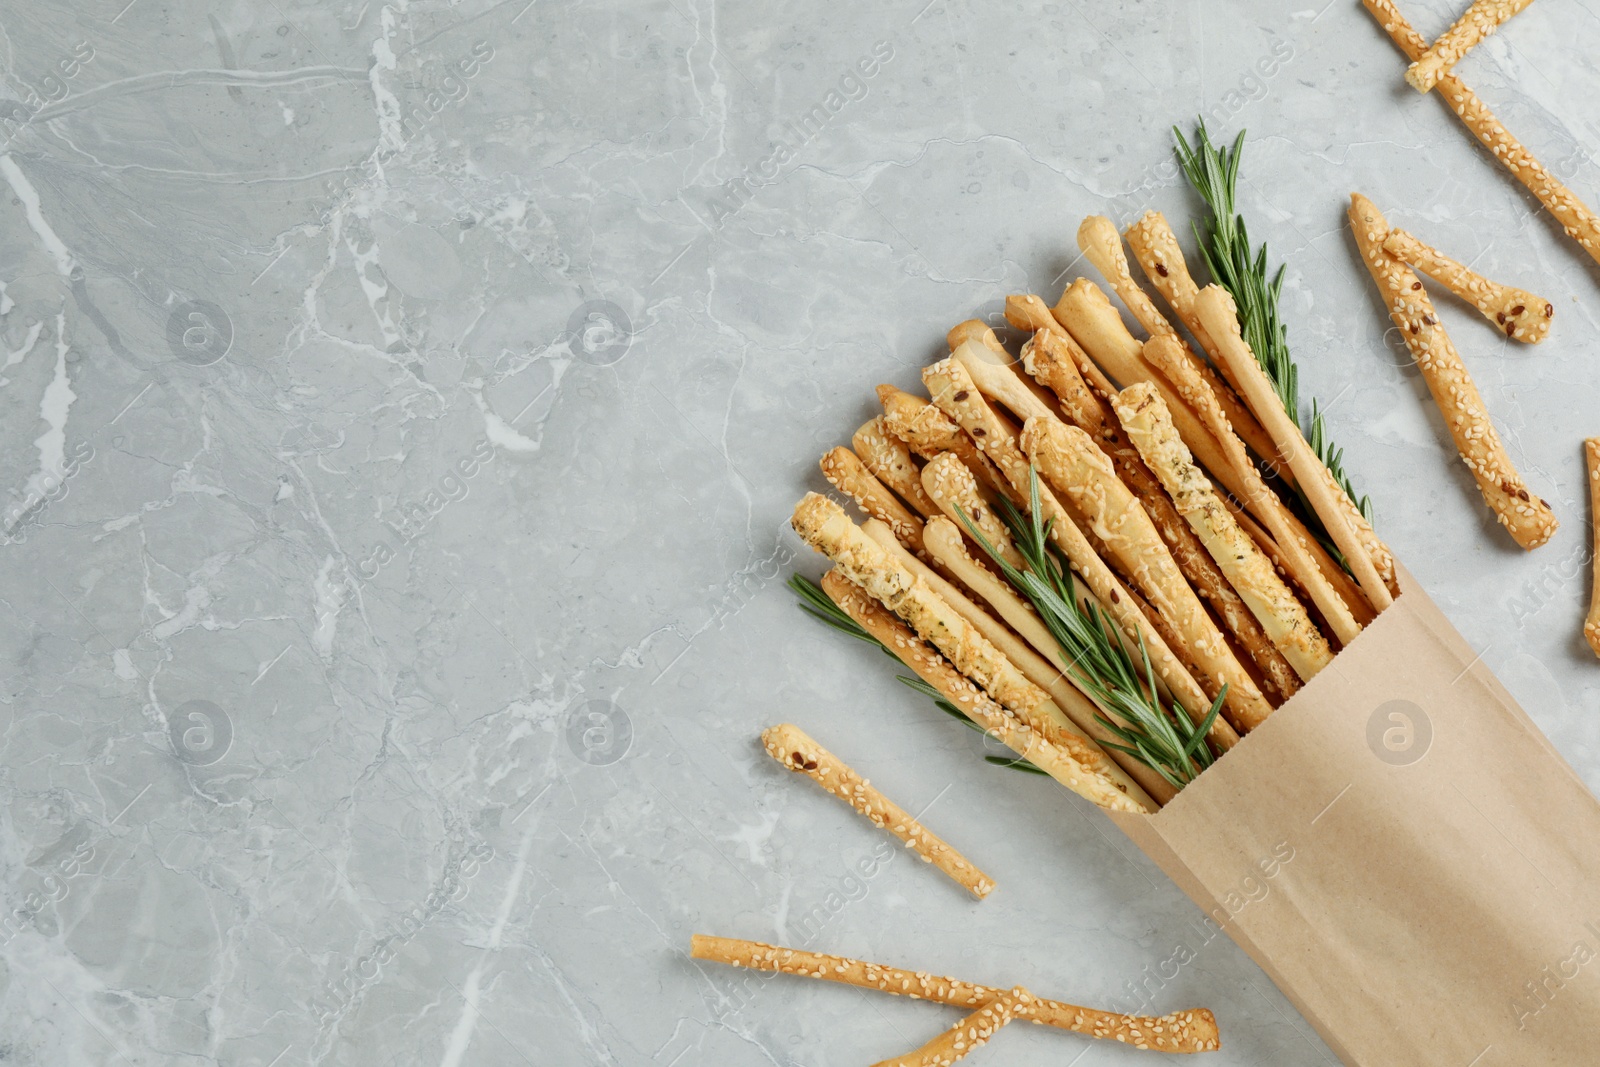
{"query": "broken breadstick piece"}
pixel 1591 625
pixel 889 460
pixel 1477 22
pixel 1182 1031
pixel 792 747
pixel 844 469
pixel 972 701
pixel 1519 314
pixel 1144 416
pixel 970 1033
pixel 1327 499
pixel 1580 224
pixel 1526 517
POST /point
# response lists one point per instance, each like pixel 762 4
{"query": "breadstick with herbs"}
pixel 796 750
pixel 1580 223
pixel 1477 22
pixel 1526 517
pixel 1183 1031
pixel 981 710
pixel 1517 313
pixel 1144 416
pixel 889 460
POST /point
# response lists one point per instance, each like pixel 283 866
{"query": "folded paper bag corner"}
pixel 1406 856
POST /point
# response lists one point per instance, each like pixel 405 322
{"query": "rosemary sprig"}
pixel 820 606
pixel 1225 244
pixel 1169 742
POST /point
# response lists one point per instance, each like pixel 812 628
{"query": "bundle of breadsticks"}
pixel 1113 550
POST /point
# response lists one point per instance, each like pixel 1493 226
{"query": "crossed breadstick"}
pixel 1523 316
pixel 1477 22
pixel 1189 1031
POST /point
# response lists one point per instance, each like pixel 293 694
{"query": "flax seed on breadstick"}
pixel 1526 517
pixel 928 431
pixel 792 747
pixel 1580 224
pixel 974 703
pixel 1519 314
pixel 1070 461
pixel 1332 505
pixel 889 460
pixel 972 1032
pixel 1591 625
pixel 1044 359
pixel 1145 418
pixel 1477 22
pixel 850 476
pixel 1102 245
pixel 1184 1031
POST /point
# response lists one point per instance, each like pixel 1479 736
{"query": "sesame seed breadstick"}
pixel 947 380
pixel 1521 315
pixel 974 703
pixel 1031 313
pixel 951 485
pixel 1591 625
pixel 928 432
pixel 1183 1031
pixel 1102 245
pixel 792 747
pixel 970 1033
pixel 1291 537
pixel 1477 22
pixel 1144 416
pixel 1217 310
pixel 1044 357
pixel 947 545
pixel 1069 460
pixel 1527 518
pixel 844 469
pixel 1576 219
pixel 889 460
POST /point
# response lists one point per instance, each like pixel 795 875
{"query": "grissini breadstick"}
pixel 1029 312
pixel 1347 587
pixel 948 546
pixel 888 458
pixel 1069 460
pixel 1526 517
pixel 1591 625
pixel 1576 219
pixel 974 703
pixel 1067 711
pixel 951 485
pixel 1144 416
pixel 1259 498
pixel 844 469
pixel 796 750
pixel 1043 357
pixel 1477 22
pixel 928 431
pixel 975 330
pixel 1217 311
pixel 947 379
pixel 1519 314
pixel 972 1032
pixel 1101 244
pixel 1184 1031
pixel 995 371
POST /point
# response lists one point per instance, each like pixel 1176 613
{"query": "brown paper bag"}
pixel 1406 856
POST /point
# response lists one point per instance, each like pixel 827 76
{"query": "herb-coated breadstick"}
pixel 1217 311
pixel 889 460
pixel 1144 416
pixel 1291 537
pixel 1576 219
pixel 1069 460
pixel 1183 1031
pixel 928 432
pixel 974 703
pixel 1526 517
pixel 951 485
pixel 1092 414
pixel 1477 22
pixel 844 469
pixel 1101 244
pixel 1519 314
pixel 972 1032
pixel 792 747
pixel 1591 625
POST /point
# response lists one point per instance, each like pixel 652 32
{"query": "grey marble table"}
pixel 402 405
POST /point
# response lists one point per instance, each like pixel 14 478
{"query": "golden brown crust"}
pixel 1182 1032
pixel 928 432
pixel 1029 312
pixel 798 751
pixel 1477 22
pixel 1526 517
pixel 970 1033
pixel 1517 313
pixel 889 460
pixel 951 485
pixel 844 469
pixel 1144 416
